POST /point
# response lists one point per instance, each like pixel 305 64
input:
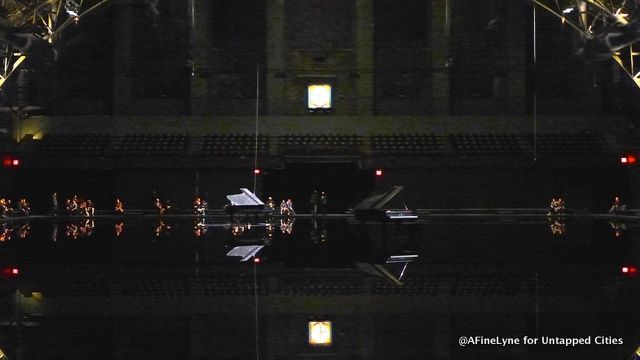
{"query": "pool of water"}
pixel 151 288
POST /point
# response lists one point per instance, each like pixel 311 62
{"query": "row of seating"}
pixel 85 144
pixel 569 143
pixel 144 144
pixel 486 144
pixel 481 144
pixel 407 144
pixel 233 144
pixel 482 285
pixel 323 144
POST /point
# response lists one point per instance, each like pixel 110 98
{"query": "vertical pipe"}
pixel 255 158
pixel 535 90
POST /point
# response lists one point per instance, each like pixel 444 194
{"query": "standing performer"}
pixel 314 202
pixel 54 203
pixel 323 202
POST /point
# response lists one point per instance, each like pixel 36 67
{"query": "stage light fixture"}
pixel 319 97
pixel 628 159
pixel 72 7
pixel 567 10
pixel 320 333
pixel 629 270
pixel 10 272
pixel 9 161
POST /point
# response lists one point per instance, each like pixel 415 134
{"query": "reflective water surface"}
pixel 184 288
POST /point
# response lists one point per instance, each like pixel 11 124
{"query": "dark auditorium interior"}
pixel 437 132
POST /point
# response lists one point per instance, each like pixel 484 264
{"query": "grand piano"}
pixel 246 203
pixel 373 207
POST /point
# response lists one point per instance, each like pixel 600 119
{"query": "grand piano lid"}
pixel 245 252
pixel 378 201
pixel 246 198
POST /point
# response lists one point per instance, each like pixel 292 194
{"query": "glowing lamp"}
pixel 628 159
pixel 378 172
pixel 9 161
pixel 629 270
pixel 10 272
pixel 256 171
pixel 319 96
pixel 320 333
pixel 256 260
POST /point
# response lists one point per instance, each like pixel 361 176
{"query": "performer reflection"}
pixel 162 228
pixel 5 233
pixel 558 227
pixel 24 231
pixel 199 227
pixel 618 228
pixel 118 228
pixel 286 225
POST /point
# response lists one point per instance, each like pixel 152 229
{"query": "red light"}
pixel 628 159
pixel 378 172
pixel 10 272
pixel 256 171
pixel 630 270
pixel 9 161
pixel 256 260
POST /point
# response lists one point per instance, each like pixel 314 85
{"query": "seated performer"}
pixel 157 204
pixel 23 207
pixel 4 210
pixel 290 207
pixel 72 205
pixel 119 207
pixel 89 210
pixel 199 206
pixel 556 207
pixel 270 203
pixel 617 206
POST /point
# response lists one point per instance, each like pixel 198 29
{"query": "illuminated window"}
pixel 320 333
pixel 319 97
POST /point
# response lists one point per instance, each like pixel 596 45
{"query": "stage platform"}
pixel 422 214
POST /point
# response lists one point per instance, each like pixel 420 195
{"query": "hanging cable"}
pixel 255 294
pixel 535 90
pixel 255 157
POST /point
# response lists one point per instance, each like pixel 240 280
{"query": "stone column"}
pixel 516 50
pixel 364 55
pixel 122 25
pixel 200 18
pixel 276 77
pixel 440 47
